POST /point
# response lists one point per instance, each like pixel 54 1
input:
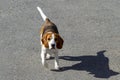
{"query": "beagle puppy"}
pixel 50 40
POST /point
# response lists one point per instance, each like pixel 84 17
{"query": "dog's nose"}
pixel 53 46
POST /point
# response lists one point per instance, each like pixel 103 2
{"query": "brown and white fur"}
pixel 50 40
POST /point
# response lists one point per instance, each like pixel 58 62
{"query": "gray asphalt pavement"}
pixel 91 32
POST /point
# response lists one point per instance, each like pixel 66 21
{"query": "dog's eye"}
pixel 49 39
pixel 55 39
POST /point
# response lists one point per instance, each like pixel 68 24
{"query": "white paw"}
pixel 57 67
pixel 48 56
pixel 45 65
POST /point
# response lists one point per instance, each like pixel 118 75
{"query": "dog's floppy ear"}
pixel 44 41
pixel 60 42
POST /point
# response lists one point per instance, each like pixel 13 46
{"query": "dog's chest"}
pixel 51 51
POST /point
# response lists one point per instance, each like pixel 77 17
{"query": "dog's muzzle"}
pixel 53 46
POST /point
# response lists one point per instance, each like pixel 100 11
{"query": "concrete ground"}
pixel 91 32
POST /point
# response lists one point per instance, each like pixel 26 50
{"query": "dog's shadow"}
pixel 96 65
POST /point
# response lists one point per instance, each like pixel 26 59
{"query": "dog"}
pixel 50 40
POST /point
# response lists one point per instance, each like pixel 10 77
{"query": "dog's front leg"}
pixel 43 55
pixel 56 60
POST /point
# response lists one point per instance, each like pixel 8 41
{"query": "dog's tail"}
pixel 42 14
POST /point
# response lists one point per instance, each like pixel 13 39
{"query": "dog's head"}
pixel 52 41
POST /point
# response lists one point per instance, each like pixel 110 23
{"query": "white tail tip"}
pixel 42 14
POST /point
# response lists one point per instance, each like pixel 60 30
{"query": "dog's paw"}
pixel 45 65
pixel 57 67
pixel 48 56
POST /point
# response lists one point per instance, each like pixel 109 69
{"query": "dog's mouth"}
pixel 53 48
